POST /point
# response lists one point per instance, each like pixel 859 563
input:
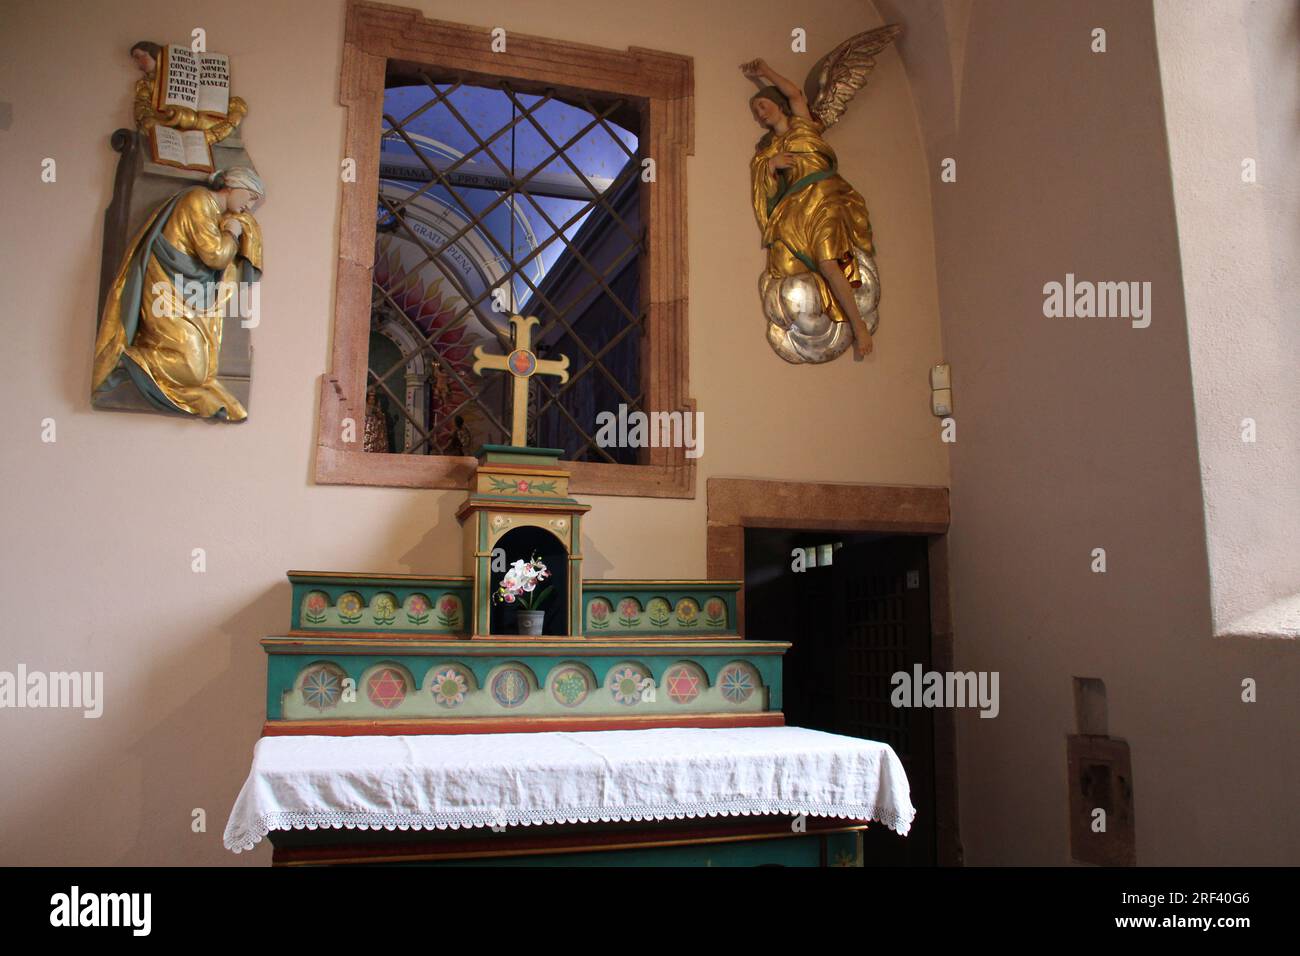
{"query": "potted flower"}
pixel 520 587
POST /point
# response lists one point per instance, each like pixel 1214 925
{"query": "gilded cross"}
pixel 522 364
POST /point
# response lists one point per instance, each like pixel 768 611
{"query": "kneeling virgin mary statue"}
pixel 180 278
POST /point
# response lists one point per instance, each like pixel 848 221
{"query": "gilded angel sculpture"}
pixel 821 288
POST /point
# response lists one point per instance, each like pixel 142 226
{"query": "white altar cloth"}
pixel 443 781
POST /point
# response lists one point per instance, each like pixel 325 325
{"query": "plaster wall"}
pixel 101 524
pixel 1079 434
pixel 1230 76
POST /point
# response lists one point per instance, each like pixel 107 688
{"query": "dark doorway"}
pixel 857 613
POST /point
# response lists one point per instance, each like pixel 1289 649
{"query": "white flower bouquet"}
pixel 520 584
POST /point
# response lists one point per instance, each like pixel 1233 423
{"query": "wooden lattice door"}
pixel 880 627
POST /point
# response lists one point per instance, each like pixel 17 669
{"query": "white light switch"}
pixel 941 402
pixel 941 376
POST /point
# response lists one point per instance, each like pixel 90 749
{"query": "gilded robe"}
pixel 163 337
pixel 808 213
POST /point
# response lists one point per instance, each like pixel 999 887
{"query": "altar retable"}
pixel 407 720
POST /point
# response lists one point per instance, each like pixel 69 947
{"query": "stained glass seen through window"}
pixel 494 201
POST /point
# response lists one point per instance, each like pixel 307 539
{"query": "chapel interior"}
pixel 1106 518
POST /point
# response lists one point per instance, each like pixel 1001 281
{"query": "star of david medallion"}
pixel 386 688
pixel 683 685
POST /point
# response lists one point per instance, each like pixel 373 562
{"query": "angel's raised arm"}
pixel 759 69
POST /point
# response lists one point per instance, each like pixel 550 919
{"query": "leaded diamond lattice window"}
pixel 497 198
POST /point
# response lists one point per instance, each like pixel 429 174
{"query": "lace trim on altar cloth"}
pixel 245 838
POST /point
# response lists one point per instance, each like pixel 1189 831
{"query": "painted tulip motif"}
pixel 598 613
pixel 417 609
pixel 384 609
pixel 449 611
pixel 629 612
pixel 350 608
pixel 659 611
pixel 314 608
pixel 715 613
pixel 687 612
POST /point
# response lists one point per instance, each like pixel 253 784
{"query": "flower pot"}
pixel 530 622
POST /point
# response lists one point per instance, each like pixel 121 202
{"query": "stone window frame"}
pixel 663 83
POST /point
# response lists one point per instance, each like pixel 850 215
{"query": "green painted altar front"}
pixel 413 654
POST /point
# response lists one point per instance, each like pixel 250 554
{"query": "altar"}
pixel 520 795
pixel 422 718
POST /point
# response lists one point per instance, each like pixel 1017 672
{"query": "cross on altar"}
pixel 522 364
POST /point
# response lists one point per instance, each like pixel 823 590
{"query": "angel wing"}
pixel 845 70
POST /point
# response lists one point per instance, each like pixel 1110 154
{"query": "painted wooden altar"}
pixel 412 654
pixel 434 655
pixel 404 657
